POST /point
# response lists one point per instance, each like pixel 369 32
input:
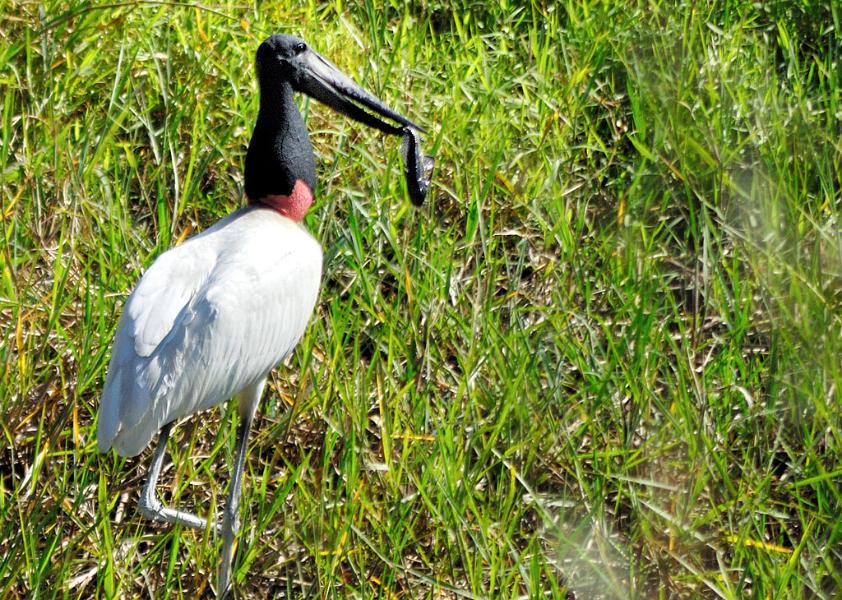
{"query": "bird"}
pixel 212 317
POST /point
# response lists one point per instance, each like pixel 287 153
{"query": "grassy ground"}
pixel 602 362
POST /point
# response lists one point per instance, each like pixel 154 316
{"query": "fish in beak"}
pixel 417 168
pixel 312 74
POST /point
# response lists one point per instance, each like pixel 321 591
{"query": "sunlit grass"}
pixel 602 362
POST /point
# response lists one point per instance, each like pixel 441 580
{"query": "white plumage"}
pixel 209 318
pixel 212 317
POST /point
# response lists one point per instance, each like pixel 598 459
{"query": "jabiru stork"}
pixel 213 316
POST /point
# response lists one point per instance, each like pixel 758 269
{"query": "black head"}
pixel 289 58
pixel 274 54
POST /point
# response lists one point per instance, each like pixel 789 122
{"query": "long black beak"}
pixel 317 77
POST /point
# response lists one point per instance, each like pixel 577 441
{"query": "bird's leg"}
pixel 248 402
pixel 149 505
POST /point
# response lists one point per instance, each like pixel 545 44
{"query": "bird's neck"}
pixel 280 167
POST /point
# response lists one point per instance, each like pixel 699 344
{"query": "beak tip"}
pixel 411 125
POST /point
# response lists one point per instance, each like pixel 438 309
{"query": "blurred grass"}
pixel 602 362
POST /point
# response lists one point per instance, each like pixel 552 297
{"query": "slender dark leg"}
pixel 248 401
pixel 149 505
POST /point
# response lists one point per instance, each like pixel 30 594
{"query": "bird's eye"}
pixel 300 47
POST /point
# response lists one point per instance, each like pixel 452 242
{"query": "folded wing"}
pixel 203 324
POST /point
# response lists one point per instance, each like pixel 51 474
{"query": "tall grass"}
pixel 602 362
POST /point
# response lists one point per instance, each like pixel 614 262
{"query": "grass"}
pixel 602 362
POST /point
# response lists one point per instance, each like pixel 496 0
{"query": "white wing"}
pixel 208 318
